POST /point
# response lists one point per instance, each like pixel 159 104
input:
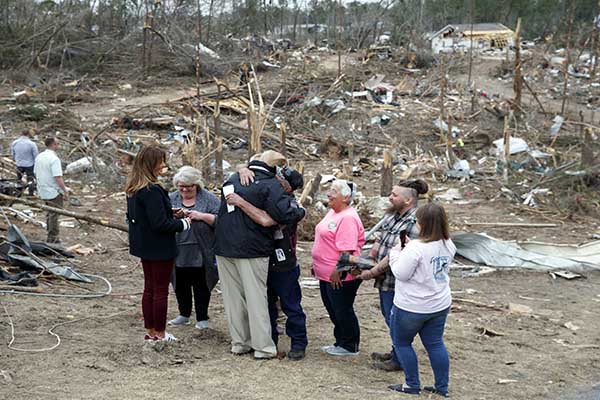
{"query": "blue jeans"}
pixel 405 326
pixel 340 307
pixel 386 302
pixel 285 287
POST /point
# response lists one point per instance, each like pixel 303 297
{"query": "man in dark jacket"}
pixel 243 248
pixel 284 270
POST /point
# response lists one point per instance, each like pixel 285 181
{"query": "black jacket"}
pixel 237 236
pixel 196 245
pixel 152 226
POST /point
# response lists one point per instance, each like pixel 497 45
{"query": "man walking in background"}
pixel 24 151
pixel 50 184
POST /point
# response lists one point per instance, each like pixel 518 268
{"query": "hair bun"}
pixel 417 184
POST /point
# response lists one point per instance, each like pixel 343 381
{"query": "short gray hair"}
pixel 188 175
pixel 343 188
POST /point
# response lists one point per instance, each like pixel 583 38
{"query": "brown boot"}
pixel 381 356
pixel 388 366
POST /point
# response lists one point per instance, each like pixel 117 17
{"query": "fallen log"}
pixel 92 220
pixel 478 304
pixel 17 288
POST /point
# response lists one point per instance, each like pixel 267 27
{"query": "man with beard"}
pixel 399 220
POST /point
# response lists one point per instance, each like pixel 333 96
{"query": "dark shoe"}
pixel 403 389
pixel 296 355
pixel 433 390
pixel 388 366
pixel 381 356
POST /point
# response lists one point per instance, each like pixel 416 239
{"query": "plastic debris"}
pixel 444 127
pixel 558 121
pixel 517 145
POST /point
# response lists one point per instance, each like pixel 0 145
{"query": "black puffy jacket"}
pixel 236 235
pixel 152 227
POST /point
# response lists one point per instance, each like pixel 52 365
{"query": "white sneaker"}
pixel 168 338
pixel 179 321
pixel 202 325
pixel 327 348
pixel 239 349
pixel 340 351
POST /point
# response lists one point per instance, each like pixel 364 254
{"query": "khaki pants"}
pixel 244 286
pixel 52 218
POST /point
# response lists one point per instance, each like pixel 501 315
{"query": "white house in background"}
pixel 457 38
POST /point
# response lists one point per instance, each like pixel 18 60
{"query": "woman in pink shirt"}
pixel 340 231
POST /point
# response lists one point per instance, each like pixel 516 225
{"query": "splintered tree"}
pixel 387 176
pixel 568 53
pixel 518 81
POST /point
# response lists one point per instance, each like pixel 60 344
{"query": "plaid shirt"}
pixel 390 237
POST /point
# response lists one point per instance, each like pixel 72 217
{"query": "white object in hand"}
pixel 228 189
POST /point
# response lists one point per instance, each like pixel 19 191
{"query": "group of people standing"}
pixel 247 240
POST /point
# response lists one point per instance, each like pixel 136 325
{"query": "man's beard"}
pixel 392 209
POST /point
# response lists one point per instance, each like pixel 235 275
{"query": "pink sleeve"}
pixel 346 235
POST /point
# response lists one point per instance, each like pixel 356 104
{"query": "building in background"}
pixel 457 38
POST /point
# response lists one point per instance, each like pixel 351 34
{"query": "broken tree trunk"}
pixel 566 71
pixel 587 154
pixel 518 81
pixel 474 100
pixel 506 149
pixel 449 152
pixel 442 95
pixel 206 170
pixel 350 148
pixel 338 45
pixel 282 146
pixel 199 41
pixel 386 174
pixel 218 138
pixel 311 190
pixel 595 43
pixel 471 12
pixel 93 220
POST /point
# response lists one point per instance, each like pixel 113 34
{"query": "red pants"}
pixel 157 276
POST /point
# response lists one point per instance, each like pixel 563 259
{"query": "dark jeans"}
pixel 340 307
pixel 52 219
pixel 157 276
pixel 192 280
pixel 430 327
pixel 284 286
pixel 386 302
pixel 27 171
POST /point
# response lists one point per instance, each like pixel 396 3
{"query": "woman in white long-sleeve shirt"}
pixel 422 299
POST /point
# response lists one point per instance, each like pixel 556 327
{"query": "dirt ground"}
pixel 101 354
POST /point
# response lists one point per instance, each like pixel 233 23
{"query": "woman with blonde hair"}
pixel 152 229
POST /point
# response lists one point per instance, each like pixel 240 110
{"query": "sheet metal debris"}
pixel 481 248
